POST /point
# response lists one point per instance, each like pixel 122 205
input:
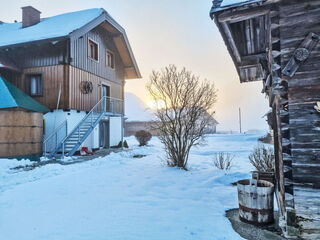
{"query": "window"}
pixel 110 59
pixel 34 84
pixel 93 51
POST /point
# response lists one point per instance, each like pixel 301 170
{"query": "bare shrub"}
pixel 223 161
pixel 143 137
pixel 262 158
pixel 184 113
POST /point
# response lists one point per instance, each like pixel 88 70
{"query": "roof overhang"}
pixel 251 64
pixel 218 5
pixel 5 63
pixel 120 39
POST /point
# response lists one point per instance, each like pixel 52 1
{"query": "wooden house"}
pixel 76 65
pixel 277 42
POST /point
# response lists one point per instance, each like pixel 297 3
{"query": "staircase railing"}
pixel 105 105
pixel 51 143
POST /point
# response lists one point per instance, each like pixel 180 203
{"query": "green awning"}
pixel 13 97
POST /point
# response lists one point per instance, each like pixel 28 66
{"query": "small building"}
pixel 75 64
pixel 212 126
pixel 21 123
pixel 277 42
pixel 131 127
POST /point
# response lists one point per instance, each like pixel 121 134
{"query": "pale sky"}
pixel 166 32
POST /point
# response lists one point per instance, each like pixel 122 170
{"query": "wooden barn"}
pixel 76 65
pixel 277 42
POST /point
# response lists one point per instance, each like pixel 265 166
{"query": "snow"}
pixel 121 197
pixel 52 27
pixel 135 109
pixel 231 2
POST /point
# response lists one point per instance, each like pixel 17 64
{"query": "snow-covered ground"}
pixel 121 197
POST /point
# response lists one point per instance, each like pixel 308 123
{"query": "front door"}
pixel 104 133
pixel 105 92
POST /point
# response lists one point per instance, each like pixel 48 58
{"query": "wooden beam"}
pixel 242 15
pixel 231 41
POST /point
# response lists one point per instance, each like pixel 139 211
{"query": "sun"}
pixel 154 105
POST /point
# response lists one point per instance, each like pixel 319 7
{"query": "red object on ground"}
pixel 86 150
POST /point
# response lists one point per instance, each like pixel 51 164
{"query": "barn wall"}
pixel 297 19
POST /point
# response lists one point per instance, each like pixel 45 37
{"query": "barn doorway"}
pixel 104 134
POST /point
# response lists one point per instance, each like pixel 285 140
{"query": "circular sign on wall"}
pixel 86 87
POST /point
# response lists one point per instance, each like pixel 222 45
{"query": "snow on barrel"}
pixel 255 201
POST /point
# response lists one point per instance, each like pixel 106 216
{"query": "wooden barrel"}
pixel 21 134
pixel 267 176
pixel 255 201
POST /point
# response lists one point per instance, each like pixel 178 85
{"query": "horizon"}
pixel 196 43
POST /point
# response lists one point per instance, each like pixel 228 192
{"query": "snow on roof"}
pixel 232 2
pixel 52 27
pixel 219 5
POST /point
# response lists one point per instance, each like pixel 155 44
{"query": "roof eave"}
pixel 34 42
pixel 222 8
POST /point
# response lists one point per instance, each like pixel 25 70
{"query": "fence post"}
pixel 122 129
pixel 45 150
pixel 63 150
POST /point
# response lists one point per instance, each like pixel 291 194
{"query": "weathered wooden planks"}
pixel 21 133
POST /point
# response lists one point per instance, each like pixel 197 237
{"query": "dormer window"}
pixel 110 59
pixel 93 50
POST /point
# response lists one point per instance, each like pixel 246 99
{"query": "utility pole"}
pixel 240 119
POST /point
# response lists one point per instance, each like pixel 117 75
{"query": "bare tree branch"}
pixel 185 113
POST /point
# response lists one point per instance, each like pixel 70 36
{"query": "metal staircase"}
pixel 67 146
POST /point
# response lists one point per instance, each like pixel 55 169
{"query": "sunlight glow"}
pixel 154 105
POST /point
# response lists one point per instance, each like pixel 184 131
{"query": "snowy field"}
pixel 121 197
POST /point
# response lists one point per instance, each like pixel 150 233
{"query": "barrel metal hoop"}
pixel 261 211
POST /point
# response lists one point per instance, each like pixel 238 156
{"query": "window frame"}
pixel 113 56
pixel 97 44
pixel 28 84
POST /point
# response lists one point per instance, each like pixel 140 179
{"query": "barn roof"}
pixel 219 5
pixel 70 25
pixel 12 97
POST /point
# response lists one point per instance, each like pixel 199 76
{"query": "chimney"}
pixel 30 16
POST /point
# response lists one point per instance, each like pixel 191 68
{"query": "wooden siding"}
pixel 21 133
pixel 297 19
pixel 80 59
pixel 81 101
pixel 52 77
pixel 70 79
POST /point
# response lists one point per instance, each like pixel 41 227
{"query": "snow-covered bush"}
pixel 262 158
pixel 223 160
pixel 143 137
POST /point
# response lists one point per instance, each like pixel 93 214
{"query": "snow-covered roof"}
pixel 219 5
pixel 48 28
pixel 69 25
